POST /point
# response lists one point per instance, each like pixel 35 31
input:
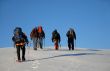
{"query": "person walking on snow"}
pixel 71 36
pixel 37 35
pixel 20 40
pixel 41 36
pixel 56 39
pixel 34 37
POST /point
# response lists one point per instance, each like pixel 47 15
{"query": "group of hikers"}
pixel 37 35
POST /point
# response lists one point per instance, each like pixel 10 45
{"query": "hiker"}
pixel 71 36
pixel 41 36
pixel 34 37
pixel 20 40
pixel 56 39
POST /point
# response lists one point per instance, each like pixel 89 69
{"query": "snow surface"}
pixel 49 59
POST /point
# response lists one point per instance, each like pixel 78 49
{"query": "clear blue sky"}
pixel 89 18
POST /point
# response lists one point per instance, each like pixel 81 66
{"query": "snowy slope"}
pixel 51 60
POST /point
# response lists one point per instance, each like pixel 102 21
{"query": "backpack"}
pixel 71 33
pixel 55 35
pixel 40 29
pixel 18 35
pixel 17 30
pixel 34 33
pixel 19 38
pixel 41 33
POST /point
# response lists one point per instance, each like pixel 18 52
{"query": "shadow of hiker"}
pixel 78 54
pixel 50 49
pixel 64 55
pixel 30 60
pixel 93 50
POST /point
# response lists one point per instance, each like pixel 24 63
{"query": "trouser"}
pixel 71 44
pixel 23 52
pixel 40 43
pixel 35 43
pixel 56 45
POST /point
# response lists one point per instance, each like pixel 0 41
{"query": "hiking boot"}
pixel 69 48
pixel 23 59
pixel 41 47
pixel 35 48
pixel 18 60
pixel 56 48
pixel 72 48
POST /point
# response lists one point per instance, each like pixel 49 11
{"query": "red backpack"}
pixel 40 29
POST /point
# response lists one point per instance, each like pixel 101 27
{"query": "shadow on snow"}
pixel 65 55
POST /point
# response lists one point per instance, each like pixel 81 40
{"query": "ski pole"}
pixel 44 42
pixel 75 43
pixel 15 52
pixel 29 48
pixel 60 45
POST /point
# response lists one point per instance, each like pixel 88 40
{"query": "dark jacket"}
pixel 41 35
pixel 55 36
pixel 22 40
pixel 34 33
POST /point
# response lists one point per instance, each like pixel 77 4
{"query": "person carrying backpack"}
pixel 71 36
pixel 20 40
pixel 56 39
pixel 41 36
pixel 34 37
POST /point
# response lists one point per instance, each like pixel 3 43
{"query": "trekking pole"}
pixel 60 45
pixel 75 44
pixel 14 52
pixel 44 42
pixel 29 49
pixel 14 55
pixel 29 46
